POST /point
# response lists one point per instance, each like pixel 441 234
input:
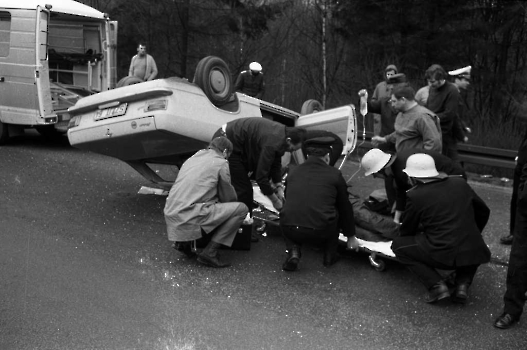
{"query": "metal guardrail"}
pixel 495 157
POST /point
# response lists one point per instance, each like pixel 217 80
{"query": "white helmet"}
pixel 255 67
pixel 420 165
pixel 374 160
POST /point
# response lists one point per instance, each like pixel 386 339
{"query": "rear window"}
pixel 5 33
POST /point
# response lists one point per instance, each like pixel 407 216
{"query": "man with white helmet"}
pixel 382 164
pixel 441 229
pixel 251 82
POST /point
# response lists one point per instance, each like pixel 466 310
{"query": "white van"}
pixel 52 52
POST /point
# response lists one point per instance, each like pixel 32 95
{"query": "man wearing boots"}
pixel 316 206
pixel 202 200
pixel 441 229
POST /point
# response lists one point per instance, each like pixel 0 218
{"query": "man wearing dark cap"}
pixel 203 201
pixel 316 207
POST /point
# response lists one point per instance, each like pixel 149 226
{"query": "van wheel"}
pixel 129 81
pixel 4 133
pixel 311 106
pixel 214 78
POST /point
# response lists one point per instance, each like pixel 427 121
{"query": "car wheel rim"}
pixel 217 81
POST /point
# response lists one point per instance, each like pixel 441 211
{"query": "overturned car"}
pixel 165 121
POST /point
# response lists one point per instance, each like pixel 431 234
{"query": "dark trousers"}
pixel 514 198
pixel 517 271
pixel 450 148
pixel 424 267
pixel 240 181
pixel 295 235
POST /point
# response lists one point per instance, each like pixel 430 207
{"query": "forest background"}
pixel 328 50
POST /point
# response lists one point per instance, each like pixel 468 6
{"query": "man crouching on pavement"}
pixel 316 206
pixel 441 229
pixel 202 200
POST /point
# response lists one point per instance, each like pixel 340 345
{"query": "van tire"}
pixel 311 106
pixel 214 78
pixel 4 133
pixel 129 81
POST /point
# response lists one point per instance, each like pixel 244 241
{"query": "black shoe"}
pixel 460 293
pixel 212 261
pixel 506 239
pixel 505 321
pixel 331 259
pixel 254 237
pixel 290 264
pixel 437 292
pixel 185 248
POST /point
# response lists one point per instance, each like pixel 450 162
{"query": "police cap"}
pixel 319 145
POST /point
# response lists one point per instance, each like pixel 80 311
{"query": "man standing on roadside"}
pixel 143 65
pixel 443 100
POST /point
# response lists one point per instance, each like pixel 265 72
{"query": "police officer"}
pixel 251 82
pixel 316 207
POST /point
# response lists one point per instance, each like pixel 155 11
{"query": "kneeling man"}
pixel 316 208
pixel 202 200
pixel 441 229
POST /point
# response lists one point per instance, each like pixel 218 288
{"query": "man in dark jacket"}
pixel 251 82
pixel 441 229
pixel 382 164
pixel 443 100
pixel 317 206
pixel 515 295
pixel 259 145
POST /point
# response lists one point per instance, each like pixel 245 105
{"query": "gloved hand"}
pixel 277 203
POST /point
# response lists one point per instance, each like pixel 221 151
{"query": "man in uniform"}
pixel 203 201
pixel 381 164
pixel 143 65
pixel 251 82
pixel 317 206
pixel 441 229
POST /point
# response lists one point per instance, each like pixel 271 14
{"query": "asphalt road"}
pixel 85 264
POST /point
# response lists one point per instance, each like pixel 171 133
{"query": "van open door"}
pixel 111 53
pixel 42 69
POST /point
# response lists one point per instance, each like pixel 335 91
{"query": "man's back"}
pixel 452 216
pixel 315 193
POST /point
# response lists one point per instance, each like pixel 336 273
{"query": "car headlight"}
pixel 156 105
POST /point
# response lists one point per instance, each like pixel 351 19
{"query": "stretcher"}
pixel 377 251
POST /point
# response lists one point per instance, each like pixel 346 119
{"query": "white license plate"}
pixel 111 112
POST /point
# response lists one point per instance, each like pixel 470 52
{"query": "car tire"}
pixel 311 106
pixel 129 81
pixel 214 78
pixel 4 133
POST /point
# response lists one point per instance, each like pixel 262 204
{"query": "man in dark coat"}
pixel 259 145
pixel 317 206
pixel 251 82
pixel 394 164
pixel 515 294
pixel 443 100
pixel 441 229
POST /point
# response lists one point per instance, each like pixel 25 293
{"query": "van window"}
pixel 5 33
